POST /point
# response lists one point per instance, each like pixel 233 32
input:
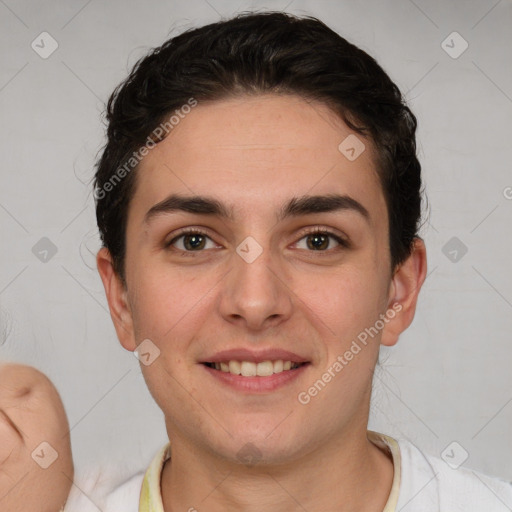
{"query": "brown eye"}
pixel 322 241
pixel 193 242
pixel 190 241
pixel 318 241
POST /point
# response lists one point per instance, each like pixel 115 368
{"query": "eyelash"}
pixel 315 231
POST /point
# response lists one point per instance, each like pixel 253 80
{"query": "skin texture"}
pixel 254 154
pixel 31 412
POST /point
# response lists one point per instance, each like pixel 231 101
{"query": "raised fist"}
pixel 36 465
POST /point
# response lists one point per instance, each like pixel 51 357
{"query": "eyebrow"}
pixel 295 207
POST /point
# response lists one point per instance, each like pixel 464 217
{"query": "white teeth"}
pixel 250 369
pixel 265 368
pixel 234 367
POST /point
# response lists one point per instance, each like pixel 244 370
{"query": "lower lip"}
pixel 257 384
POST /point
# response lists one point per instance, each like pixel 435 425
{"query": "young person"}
pixel 259 199
pixel 36 467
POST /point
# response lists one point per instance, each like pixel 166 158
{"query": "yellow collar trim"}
pixel 151 492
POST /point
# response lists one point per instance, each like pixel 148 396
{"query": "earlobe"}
pixel 404 290
pixel 116 294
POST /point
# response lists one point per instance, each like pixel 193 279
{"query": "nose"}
pixel 255 293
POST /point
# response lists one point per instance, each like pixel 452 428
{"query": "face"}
pixel 263 276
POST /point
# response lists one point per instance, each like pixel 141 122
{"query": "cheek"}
pixel 157 301
pixel 346 300
pixel 168 306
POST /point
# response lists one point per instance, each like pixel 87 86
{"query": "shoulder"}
pixel 125 496
pixel 107 490
pixel 428 481
pixel 100 489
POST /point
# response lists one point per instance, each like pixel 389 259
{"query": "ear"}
pixel 118 304
pixel 403 292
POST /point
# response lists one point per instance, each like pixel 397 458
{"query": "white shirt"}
pixel 421 483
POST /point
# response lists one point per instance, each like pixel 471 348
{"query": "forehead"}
pixel 254 152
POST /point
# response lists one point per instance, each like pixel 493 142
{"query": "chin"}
pixel 258 447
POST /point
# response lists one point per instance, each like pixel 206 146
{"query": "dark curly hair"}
pixel 257 53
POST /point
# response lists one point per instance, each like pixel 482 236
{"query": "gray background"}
pixel 449 377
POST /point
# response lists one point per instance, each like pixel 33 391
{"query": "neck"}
pixel 346 473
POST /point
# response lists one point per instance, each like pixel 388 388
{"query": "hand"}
pixel 31 412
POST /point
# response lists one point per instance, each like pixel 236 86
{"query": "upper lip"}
pixel 243 354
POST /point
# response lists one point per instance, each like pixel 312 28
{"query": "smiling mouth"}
pixel 250 369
